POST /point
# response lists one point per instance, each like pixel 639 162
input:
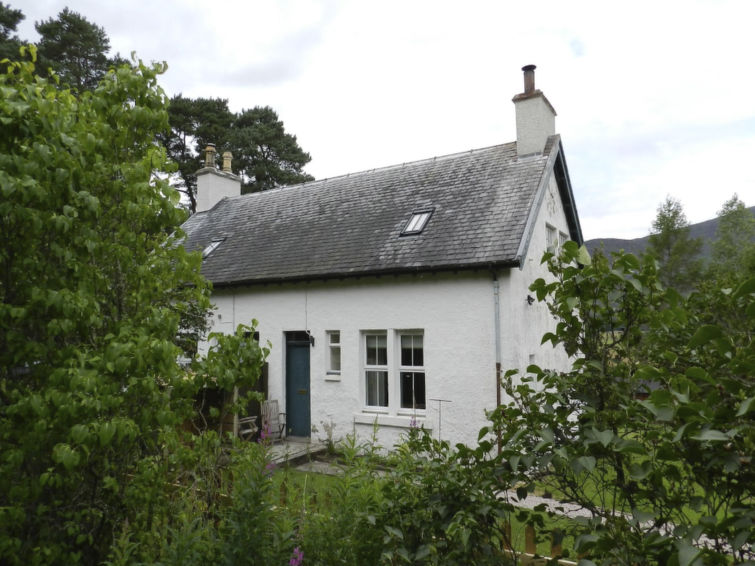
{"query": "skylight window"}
pixel 417 222
pixel 212 247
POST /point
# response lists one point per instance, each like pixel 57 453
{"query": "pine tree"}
pixel 9 42
pixel 264 154
pixel 670 244
pixel 734 248
pixel 75 49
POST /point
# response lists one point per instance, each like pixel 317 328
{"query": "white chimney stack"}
pixel 535 117
pixel 214 185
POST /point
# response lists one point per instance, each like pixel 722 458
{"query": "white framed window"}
pixel 554 239
pixel 551 239
pixel 376 369
pixel 412 371
pixel 417 222
pixel 334 352
pixel 211 247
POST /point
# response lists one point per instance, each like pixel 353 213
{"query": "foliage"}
pixel 652 430
pixel 9 20
pixel 256 530
pixel 671 245
pixel 265 155
pixel 232 364
pixel 441 505
pixel 75 49
pixel 93 288
pixel 734 247
pixel 194 123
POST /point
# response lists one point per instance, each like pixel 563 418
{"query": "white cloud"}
pixel 652 97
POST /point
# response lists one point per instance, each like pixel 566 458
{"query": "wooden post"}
pixel 529 540
pixel 507 542
pixel 557 538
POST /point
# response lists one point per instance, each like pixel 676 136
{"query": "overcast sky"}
pixel 654 98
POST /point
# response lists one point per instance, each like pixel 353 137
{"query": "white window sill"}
pixel 332 377
pixel 416 413
pixel 400 421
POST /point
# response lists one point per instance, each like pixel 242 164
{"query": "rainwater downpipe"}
pixel 497 319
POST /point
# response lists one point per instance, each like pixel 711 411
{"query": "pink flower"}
pixel 297 558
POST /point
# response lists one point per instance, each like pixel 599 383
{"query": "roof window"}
pixel 417 222
pixel 212 247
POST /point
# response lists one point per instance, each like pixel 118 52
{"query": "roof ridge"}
pixel 376 169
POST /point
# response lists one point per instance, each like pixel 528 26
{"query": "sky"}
pixel 653 98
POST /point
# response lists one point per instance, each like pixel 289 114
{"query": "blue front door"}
pixel 298 420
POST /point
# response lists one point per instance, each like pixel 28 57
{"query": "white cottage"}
pixel 397 294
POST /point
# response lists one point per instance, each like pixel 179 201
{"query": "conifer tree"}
pixel 670 244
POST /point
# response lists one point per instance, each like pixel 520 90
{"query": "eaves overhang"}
pixel 351 274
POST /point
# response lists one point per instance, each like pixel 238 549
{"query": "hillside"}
pixel 705 230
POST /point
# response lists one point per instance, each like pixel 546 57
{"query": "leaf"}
pixel 394 532
pixel 745 406
pixel 586 463
pixel 604 437
pixel 712 435
pixel 746 288
pixel 106 433
pixel 422 552
pixel 705 334
pixel 65 455
pixel 583 256
pixel 687 553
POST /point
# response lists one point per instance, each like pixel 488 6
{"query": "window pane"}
pixel 377 388
pixel 335 337
pixel 412 390
pixel 412 226
pixel 335 358
pixel 406 350
pixel 382 350
pixel 377 353
pixel 411 350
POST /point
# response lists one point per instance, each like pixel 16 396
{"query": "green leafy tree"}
pixel 653 429
pixel 75 49
pixel 671 245
pixel 734 247
pixel 265 155
pixel 92 290
pixel 9 42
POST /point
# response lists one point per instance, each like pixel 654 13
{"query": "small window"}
pixel 562 239
pixel 412 371
pixel 212 247
pixel 334 352
pixel 417 222
pixel 551 239
pixel 376 370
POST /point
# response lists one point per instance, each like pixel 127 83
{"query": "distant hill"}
pixel 705 230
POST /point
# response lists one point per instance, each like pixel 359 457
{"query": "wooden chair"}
pixel 247 427
pixel 273 421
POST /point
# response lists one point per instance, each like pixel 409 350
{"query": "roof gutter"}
pixel 487 266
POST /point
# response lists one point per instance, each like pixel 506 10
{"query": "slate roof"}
pixel 482 203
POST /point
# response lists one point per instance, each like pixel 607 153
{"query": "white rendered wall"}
pixel 522 324
pixel 535 121
pixel 455 313
pixel 214 185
